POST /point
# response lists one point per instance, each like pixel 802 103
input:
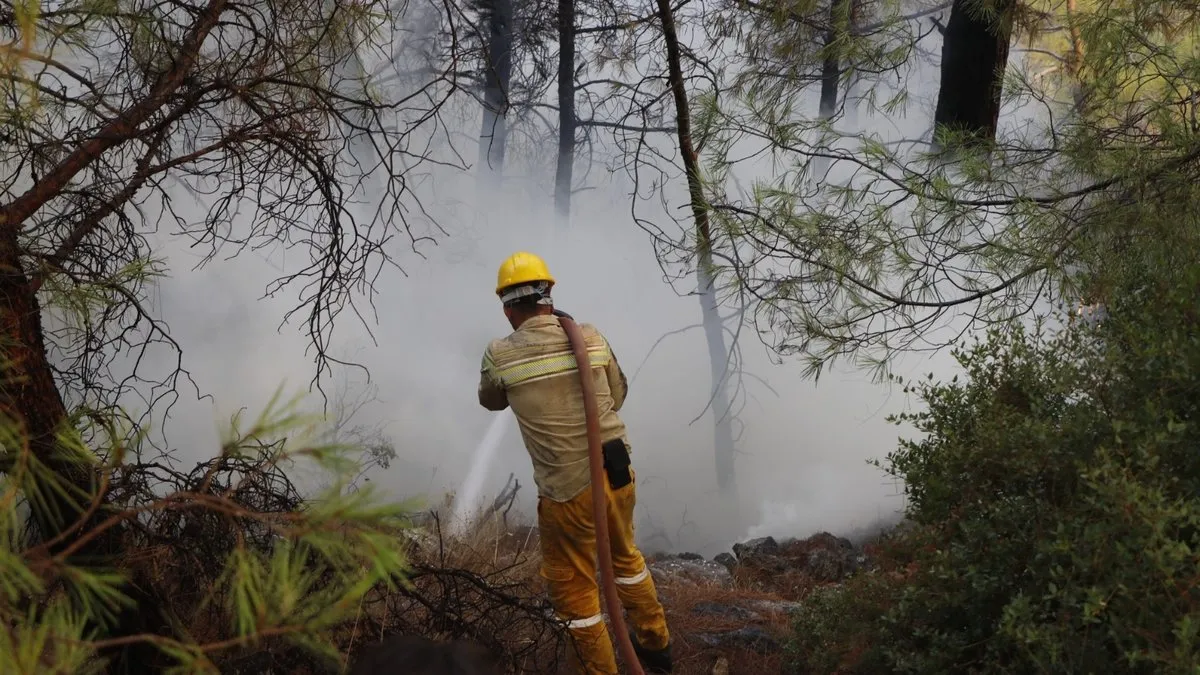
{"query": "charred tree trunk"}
pixel 829 85
pixel 31 403
pixel 831 64
pixel 714 329
pixel 974 58
pixel 566 110
pixel 853 26
pixel 493 137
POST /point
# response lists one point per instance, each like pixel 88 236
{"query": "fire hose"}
pixel 599 495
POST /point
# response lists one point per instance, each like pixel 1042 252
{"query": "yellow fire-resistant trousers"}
pixel 568 540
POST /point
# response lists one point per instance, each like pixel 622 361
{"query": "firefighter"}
pixel 533 371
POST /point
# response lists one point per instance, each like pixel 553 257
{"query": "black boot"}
pixel 654 661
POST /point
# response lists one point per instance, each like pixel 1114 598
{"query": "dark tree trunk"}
pixel 974 57
pixel 60 504
pixel 829 87
pixel 831 65
pixel 566 110
pixel 830 75
pixel 30 400
pixel 493 137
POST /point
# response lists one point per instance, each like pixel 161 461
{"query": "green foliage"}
pixel 1055 496
pixel 293 574
pixel 835 624
pixel 857 242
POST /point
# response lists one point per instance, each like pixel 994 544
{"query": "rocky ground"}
pixel 731 614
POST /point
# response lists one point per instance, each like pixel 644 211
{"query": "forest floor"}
pixel 727 615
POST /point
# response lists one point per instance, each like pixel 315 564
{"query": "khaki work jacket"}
pixel 533 371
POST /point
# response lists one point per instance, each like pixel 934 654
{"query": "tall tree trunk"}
pixel 849 109
pixel 718 362
pixel 830 74
pixel 1075 60
pixel 974 58
pixel 30 400
pixel 714 331
pixel 1074 67
pixel 831 65
pixel 493 136
pixel 566 109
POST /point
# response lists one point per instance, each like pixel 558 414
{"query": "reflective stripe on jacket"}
pixel 533 372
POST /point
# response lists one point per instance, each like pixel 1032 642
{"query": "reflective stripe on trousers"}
pixel 568 543
pixel 585 623
pixel 634 580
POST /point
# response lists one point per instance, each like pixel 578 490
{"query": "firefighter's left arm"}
pixel 491 389
pixel 617 384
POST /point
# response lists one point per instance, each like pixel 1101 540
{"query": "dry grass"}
pixel 790 584
pixel 483 586
pixel 487 546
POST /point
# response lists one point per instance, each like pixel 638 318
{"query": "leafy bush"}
pixel 1054 497
pixel 835 624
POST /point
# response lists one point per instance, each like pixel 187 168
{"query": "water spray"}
pixel 481 463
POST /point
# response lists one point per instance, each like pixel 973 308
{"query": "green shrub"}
pixel 1055 501
pixel 835 624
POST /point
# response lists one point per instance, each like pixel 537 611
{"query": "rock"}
pixel 830 558
pixel 775 606
pixel 725 611
pixel 756 548
pixel 420 539
pixel 750 637
pixel 690 556
pixel 825 566
pixel 762 554
pixel 692 572
pixel 721 667
pixel 727 560
pixel 828 541
pixel 783 566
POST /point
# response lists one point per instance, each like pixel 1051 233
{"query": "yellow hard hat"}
pixel 522 268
